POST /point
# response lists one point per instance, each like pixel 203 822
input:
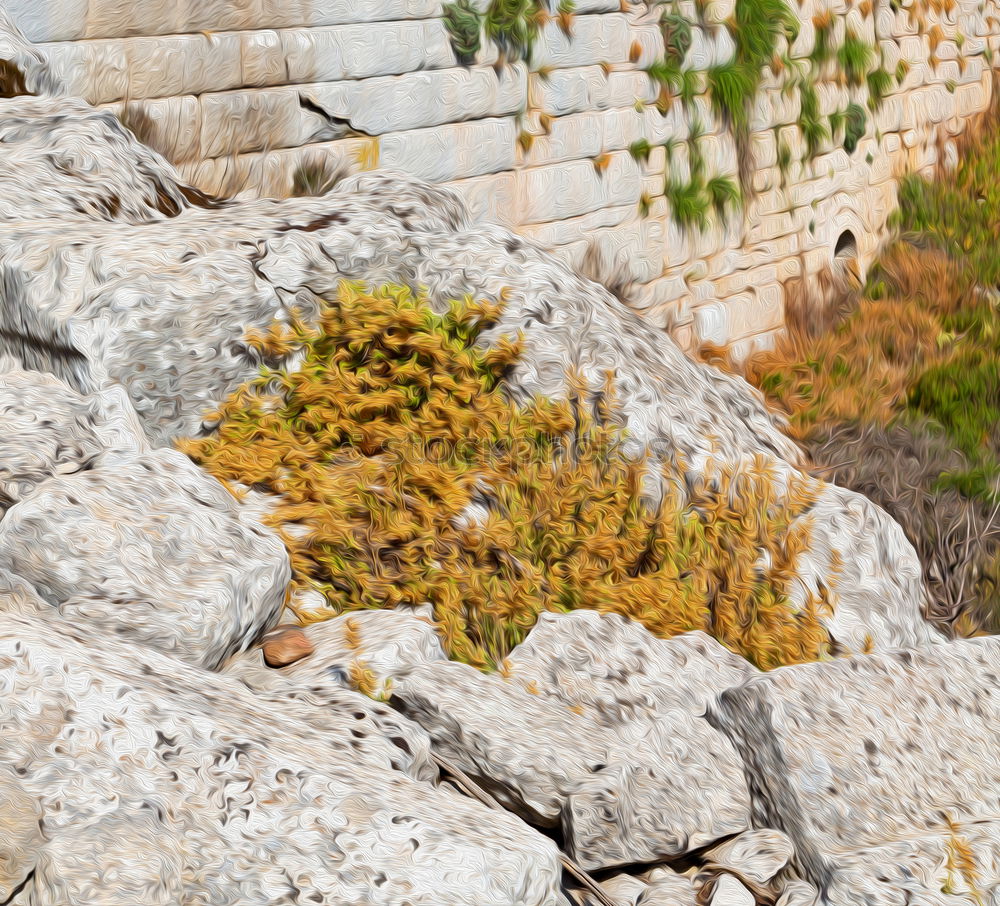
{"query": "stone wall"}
pixel 240 94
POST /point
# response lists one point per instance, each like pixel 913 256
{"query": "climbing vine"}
pixel 512 25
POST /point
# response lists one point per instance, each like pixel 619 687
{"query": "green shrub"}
pixel 395 423
pixel 689 202
pixel 724 195
pixel 676 32
pixel 856 59
pixel 464 23
pixel 880 83
pixel 640 150
pixel 856 122
pixel 732 87
pixel 514 26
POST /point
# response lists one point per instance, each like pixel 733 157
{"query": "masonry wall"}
pixel 240 94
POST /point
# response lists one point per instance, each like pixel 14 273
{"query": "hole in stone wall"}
pixel 846 263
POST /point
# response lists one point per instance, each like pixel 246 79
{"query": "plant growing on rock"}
pixel 689 203
pixel 464 24
pixel 880 83
pixel 856 59
pixel 403 473
pixel 855 124
pixel 677 37
pixel 724 195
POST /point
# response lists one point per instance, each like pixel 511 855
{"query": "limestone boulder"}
pixel 162 309
pixel 875 765
pixel 615 667
pixel 623 792
pixel 755 856
pixel 188 788
pixel 46 429
pixel 153 549
pixel 59 157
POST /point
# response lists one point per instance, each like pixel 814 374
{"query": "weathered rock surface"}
pixel 755 855
pixel 81 164
pixel 854 758
pixel 665 887
pixel 646 698
pixel 161 308
pixel 23 70
pixel 46 429
pixel 626 786
pixel 374 646
pixel 186 787
pixel 615 668
pixel 728 891
pixel 152 548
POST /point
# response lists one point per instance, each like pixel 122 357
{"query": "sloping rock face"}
pixel 154 549
pixel 371 647
pixel 161 308
pixel 878 767
pixel 81 163
pixel 111 533
pixel 183 786
pixel 597 728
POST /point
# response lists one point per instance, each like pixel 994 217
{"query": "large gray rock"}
pixel 852 756
pixel 624 791
pixel 375 646
pixel 159 783
pixel 80 164
pixel 646 698
pixel 152 548
pixel 46 429
pixel 161 308
pixel 755 856
pixel 616 668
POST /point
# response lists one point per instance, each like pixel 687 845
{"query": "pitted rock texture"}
pixel 373 646
pixel 646 698
pixel 615 668
pixel 46 429
pixel 623 792
pixel 152 548
pixel 850 756
pixel 199 792
pixel 80 164
pixel 755 856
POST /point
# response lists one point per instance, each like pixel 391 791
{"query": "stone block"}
pixel 262 59
pixel 182 64
pixel 567 190
pixel 97 71
pixel 594 39
pixel 363 51
pixel 50 20
pixel 589 88
pixel 451 152
pixel 490 199
pixel 421 99
pixel 868 751
pixel 171 126
pixel 235 122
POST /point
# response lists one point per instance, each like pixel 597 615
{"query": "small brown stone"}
pixel 286 646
